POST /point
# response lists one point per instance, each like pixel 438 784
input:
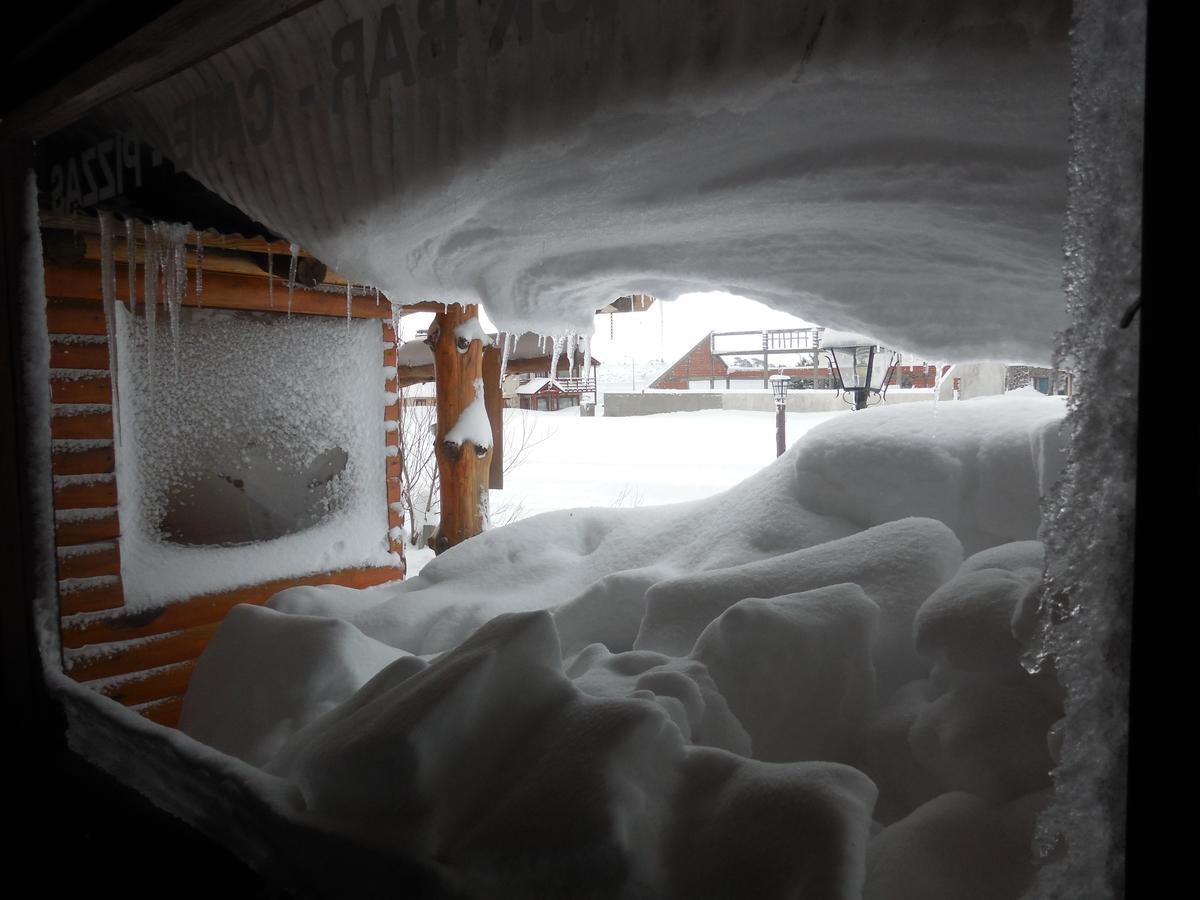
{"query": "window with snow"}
pixel 246 430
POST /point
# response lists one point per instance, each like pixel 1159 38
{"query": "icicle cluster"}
pixel 295 251
pixel 131 262
pixel 510 344
pixel 108 288
pixel 559 344
pixel 199 269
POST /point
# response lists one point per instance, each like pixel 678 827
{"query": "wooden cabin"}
pixel 143 656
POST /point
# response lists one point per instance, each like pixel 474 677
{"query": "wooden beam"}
pixel 85 426
pixel 432 306
pixel 164 712
pixel 71 316
pixel 493 398
pixel 462 467
pixel 66 354
pixel 87 495
pixel 90 461
pixel 207 609
pixel 137 656
pixel 85 389
pixel 80 224
pixel 73 532
pixel 145 688
pixel 103 560
pixel 102 597
pixel 188 32
pixel 78 284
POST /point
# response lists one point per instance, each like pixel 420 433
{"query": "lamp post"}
pixel 862 370
pixel 779 385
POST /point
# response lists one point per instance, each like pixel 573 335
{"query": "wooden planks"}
pixel 68 354
pixel 83 460
pixel 206 609
pixel 84 389
pixel 145 658
pixel 87 425
pixel 143 687
pixel 75 290
pixel 89 561
pixel 164 712
pixel 72 532
pixel 86 495
pixel 96 598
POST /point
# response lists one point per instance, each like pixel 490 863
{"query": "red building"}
pixel 702 368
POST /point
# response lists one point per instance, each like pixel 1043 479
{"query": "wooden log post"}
pixel 462 466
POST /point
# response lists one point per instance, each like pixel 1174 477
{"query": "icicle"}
pixel 150 274
pixel 173 253
pixel 349 305
pixel 295 250
pixel 199 270
pixel 375 291
pixel 572 342
pixel 108 294
pixel 131 261
pixel 559 343
pixel 587 358
pixel 270 277
pixel 504 354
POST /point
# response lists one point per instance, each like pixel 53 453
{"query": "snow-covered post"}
pixel 464 434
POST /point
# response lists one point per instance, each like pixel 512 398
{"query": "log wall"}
pixel 144 658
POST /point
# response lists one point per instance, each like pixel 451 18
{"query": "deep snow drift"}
pixel 893 167
pixel 789 689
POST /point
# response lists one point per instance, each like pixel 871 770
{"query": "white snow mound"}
pixel 727 697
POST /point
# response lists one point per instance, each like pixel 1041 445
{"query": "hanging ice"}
pixel 295 251
pixel 131 260
pixel 349 303
pixel 270 277
pixel 108 292
pixel 199 270
pixel 509 341
pixel 150 274
pixel 559 342
pixel 173 254
pixel 572 341
pixel 586 340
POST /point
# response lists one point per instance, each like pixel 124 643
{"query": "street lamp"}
pixel 779 385
pixel 862 369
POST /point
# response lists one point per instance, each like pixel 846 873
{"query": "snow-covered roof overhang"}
pixel 898 170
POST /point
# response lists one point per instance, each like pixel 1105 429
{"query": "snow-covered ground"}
pixel 796 686
pixel 570 460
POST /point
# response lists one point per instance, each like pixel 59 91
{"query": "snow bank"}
pixel 982 469
pixel 614 703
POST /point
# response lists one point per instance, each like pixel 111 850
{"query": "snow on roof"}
pixel 934 176
pixel 533 385
pixel 414 353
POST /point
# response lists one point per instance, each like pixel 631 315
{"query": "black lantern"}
pixel 779 386
pixel 862 370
